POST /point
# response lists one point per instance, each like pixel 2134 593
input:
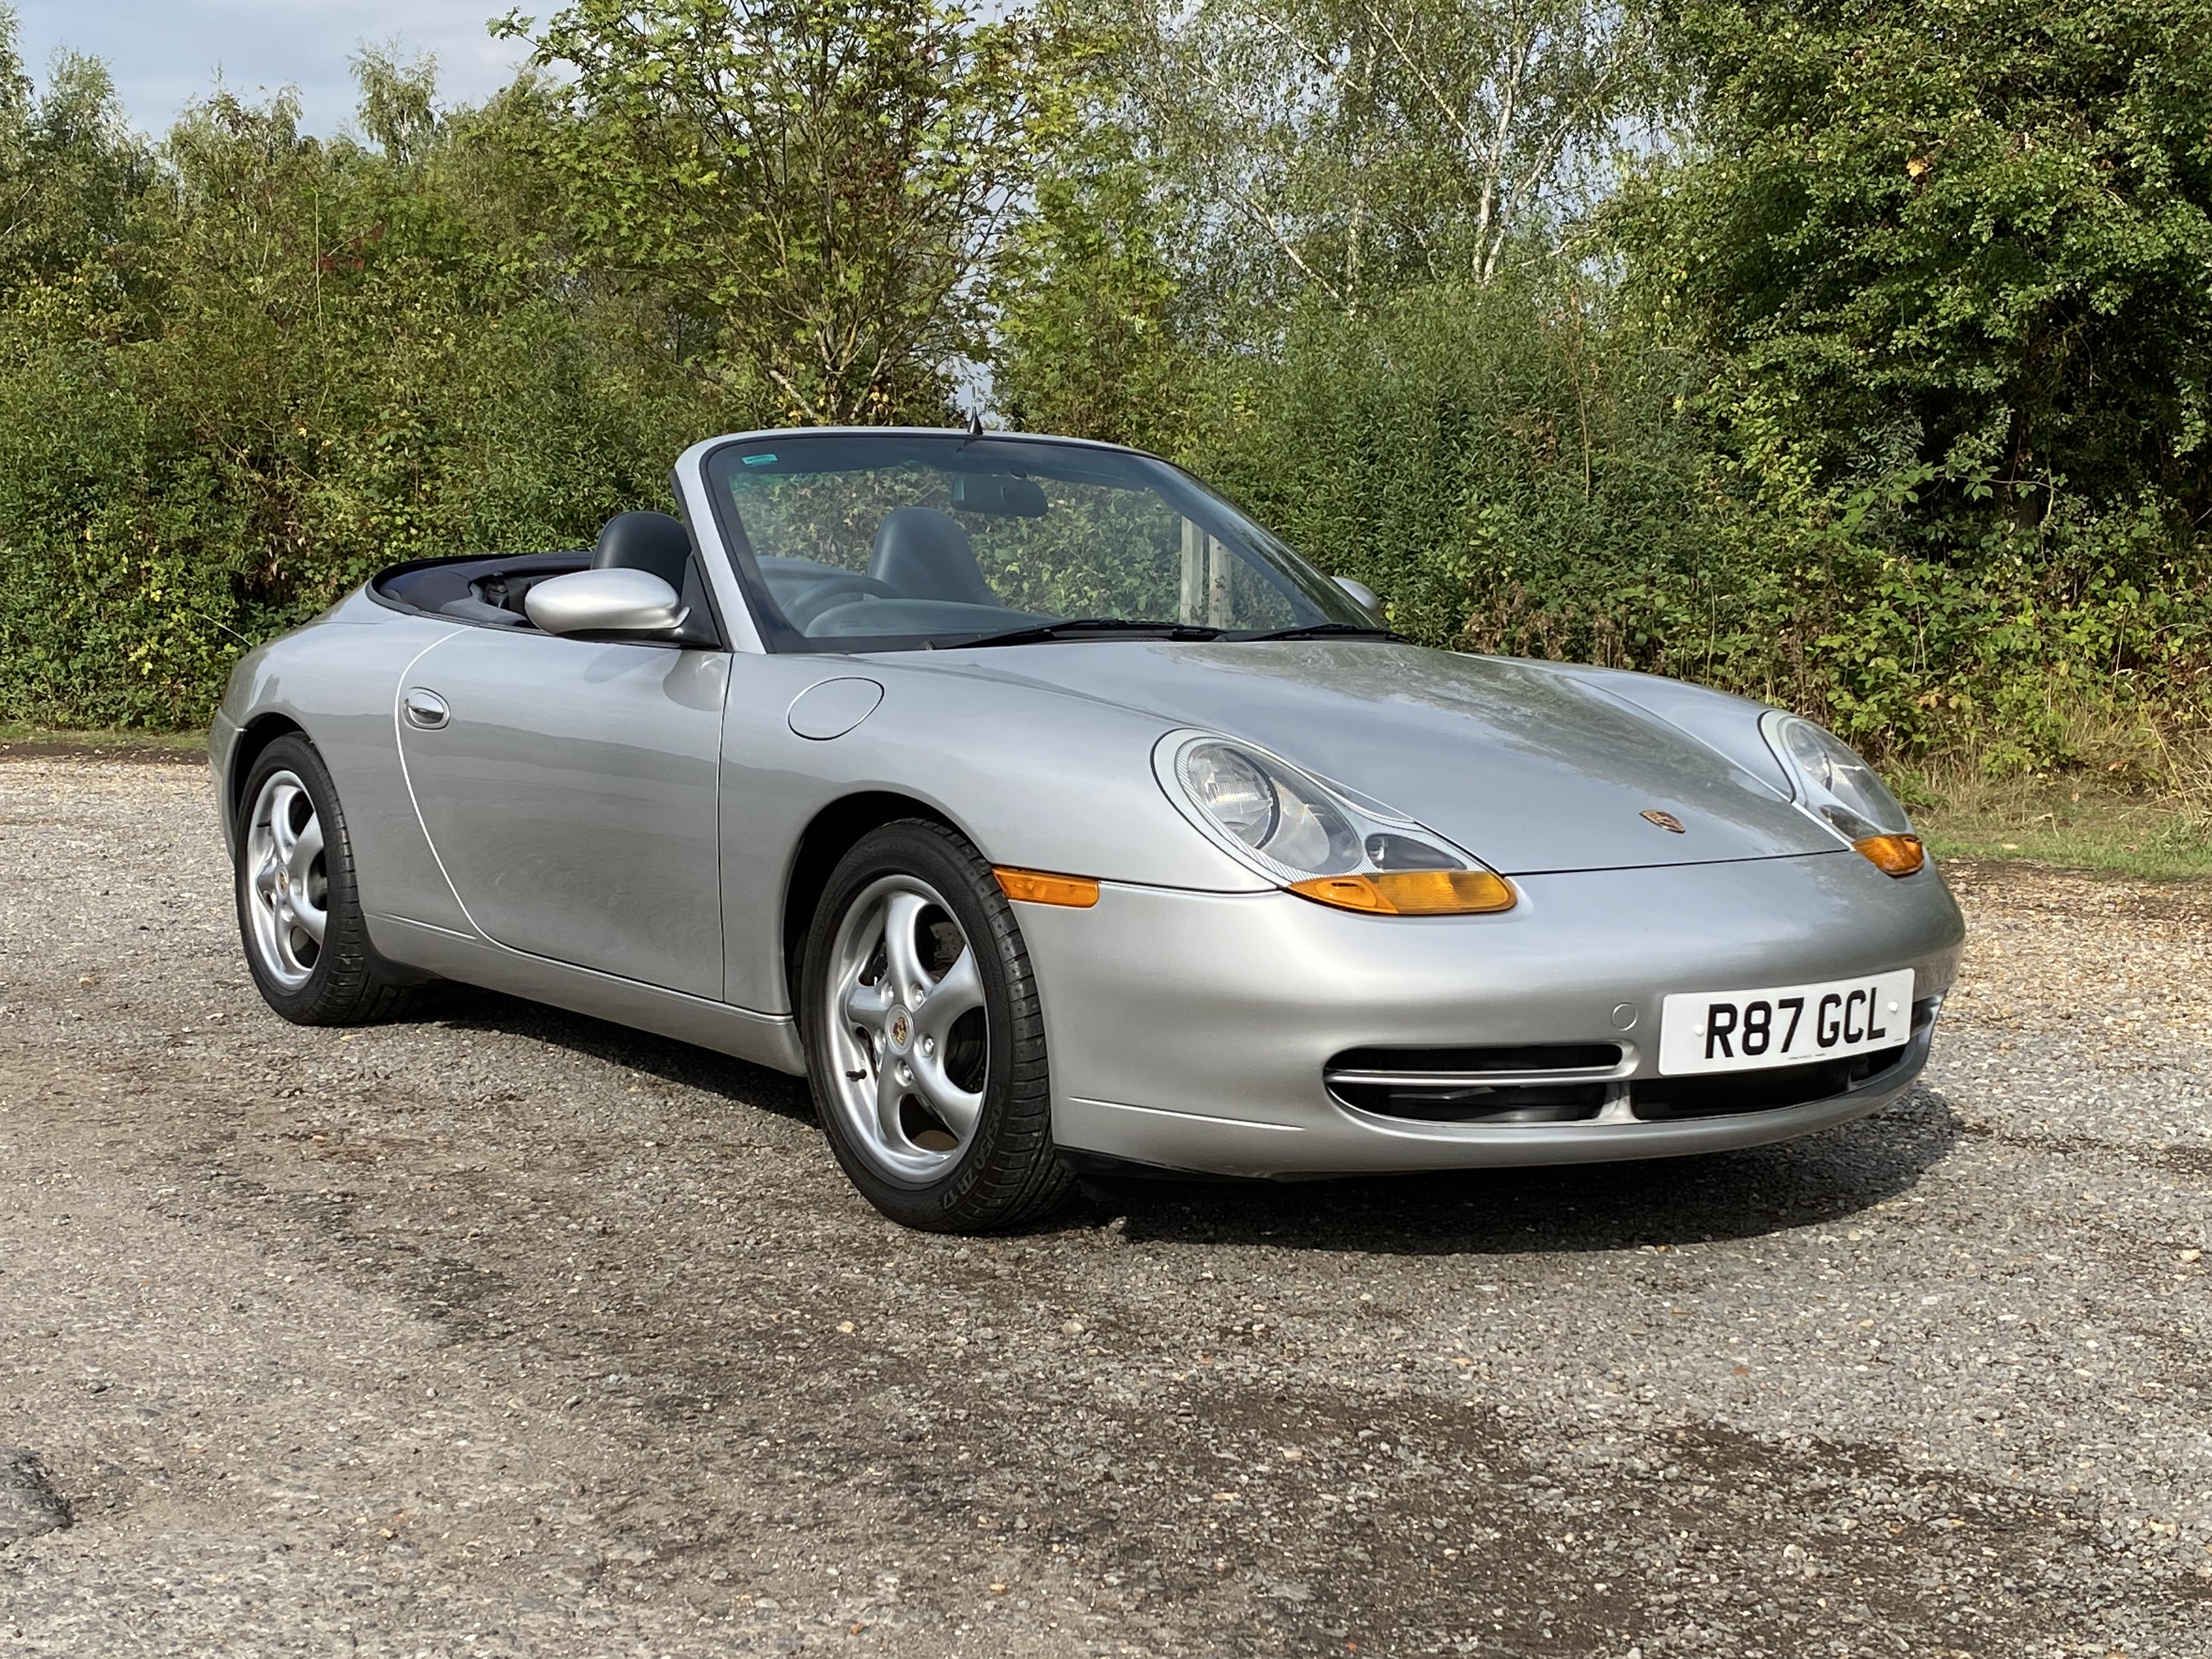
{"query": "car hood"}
pixel 1523 764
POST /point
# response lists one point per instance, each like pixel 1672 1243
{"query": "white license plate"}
pixel 1784 1026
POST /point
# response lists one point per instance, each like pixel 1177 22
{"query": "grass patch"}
pixel 2076 821
pixel 2137 800
pixel 17 738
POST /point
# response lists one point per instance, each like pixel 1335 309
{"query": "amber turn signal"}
pixel 1412 892
pixel 1079 891
pixel 1894 855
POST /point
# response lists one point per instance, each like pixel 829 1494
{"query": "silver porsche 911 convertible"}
pixel 1049 814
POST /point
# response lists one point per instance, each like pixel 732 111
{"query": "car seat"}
pixel 925 554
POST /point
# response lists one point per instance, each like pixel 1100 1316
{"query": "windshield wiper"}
pixel 1330 631
pixel 1078 628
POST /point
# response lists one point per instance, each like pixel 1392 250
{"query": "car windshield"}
pixel 904 540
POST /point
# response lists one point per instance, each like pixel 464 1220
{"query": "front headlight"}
pixel 1831 783
pixel 1315 840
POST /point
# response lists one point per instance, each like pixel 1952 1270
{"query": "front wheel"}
pixel 925 1042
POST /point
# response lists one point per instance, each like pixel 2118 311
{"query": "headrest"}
pixel 651 542
pixel 925 554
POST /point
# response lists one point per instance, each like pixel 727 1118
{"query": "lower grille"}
pixel 1671 1099
pixel 1541 1103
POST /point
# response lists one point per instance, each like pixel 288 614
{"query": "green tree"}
pixel 1496 462
pixel 1085 338
pixel 829 178
pixel 1971 234
pixel 1349 148
pixel 1086 342
pixel 71 172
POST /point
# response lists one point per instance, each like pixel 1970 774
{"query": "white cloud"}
pixel 165 52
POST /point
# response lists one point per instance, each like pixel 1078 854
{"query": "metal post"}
pixel 1193 572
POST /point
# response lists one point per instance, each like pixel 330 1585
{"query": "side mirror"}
pixel 604 602
pixel 1361 593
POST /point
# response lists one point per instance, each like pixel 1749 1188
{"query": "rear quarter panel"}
pixel 338 679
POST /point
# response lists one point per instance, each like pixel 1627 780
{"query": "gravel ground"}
pixel 508 1332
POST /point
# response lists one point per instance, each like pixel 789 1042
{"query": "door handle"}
pixel 424 708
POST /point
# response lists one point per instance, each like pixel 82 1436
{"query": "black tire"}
pixel 347 983
pixel 1009 1172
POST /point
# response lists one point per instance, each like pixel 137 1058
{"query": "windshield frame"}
pixel 1274 558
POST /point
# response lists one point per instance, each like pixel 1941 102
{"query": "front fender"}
pixel 1037 778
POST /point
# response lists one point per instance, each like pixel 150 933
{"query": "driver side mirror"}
pixel 605 602
pixel 1362 594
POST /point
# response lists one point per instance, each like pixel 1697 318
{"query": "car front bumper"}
pixel 1191 1031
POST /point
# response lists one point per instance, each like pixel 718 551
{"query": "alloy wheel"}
pixel 288 880
pixel 909 1027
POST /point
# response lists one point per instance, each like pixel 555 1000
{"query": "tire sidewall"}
pixel 920 849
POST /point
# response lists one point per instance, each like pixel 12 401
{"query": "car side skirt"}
pixel 765 1039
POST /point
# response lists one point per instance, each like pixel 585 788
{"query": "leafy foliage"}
pixel 1948 258
pixel 267 365
pixel 1086 340
pixel 1857 357
pixel 1351 147
pixel 824 179
pixel 1971 233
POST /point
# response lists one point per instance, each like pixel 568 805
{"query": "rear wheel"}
pixel 299 909
pixel 924 1037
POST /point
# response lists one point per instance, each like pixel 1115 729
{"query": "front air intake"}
pixel 1535 1083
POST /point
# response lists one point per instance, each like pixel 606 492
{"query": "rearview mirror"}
pixel 604 602
pixel 1001 494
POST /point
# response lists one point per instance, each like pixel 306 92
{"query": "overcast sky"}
pixel 163 52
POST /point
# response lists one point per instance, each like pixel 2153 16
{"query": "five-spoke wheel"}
pixel 925 1039
pixel 911 1032
pixel 288 910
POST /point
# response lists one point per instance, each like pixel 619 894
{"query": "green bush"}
pixel 278 366
pixel 1968 233
pixel 1514 470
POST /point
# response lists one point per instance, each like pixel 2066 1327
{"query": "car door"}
pixel 570 788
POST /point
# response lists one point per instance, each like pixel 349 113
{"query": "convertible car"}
pixel 1051 815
